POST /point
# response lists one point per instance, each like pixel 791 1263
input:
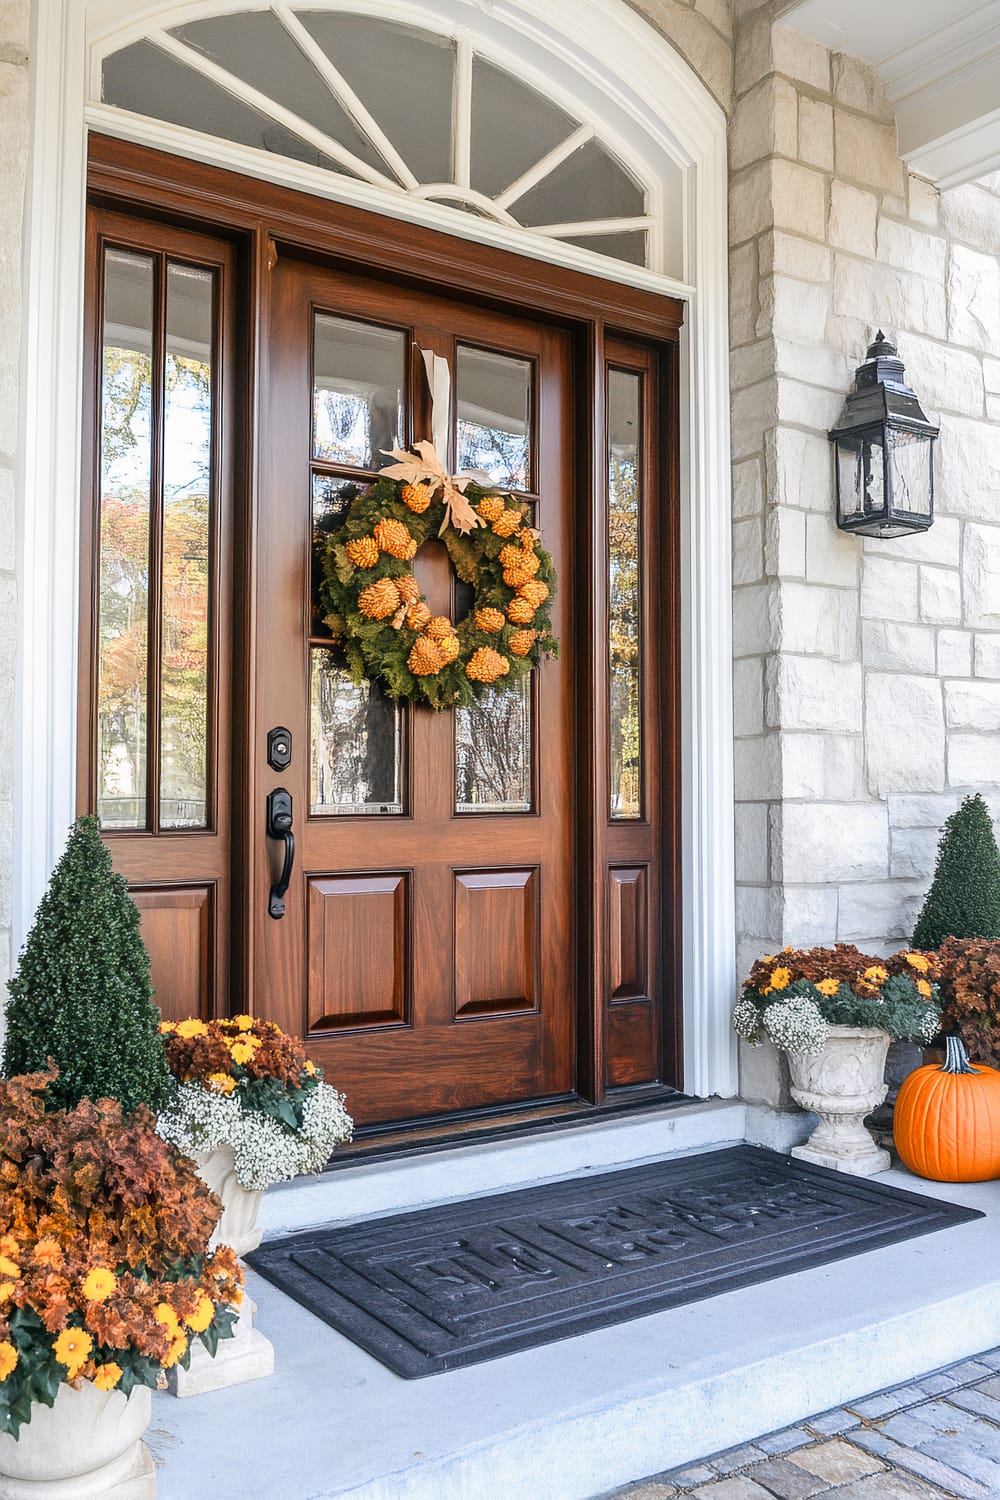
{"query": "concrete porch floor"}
pixel 576 1418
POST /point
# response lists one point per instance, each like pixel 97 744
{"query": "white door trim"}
pixel 612 49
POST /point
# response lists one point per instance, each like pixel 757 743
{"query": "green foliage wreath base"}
pixel 374 650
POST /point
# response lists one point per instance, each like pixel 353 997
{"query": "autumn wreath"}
pixel 377 614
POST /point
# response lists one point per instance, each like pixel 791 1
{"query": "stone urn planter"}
pixel 87 1445
pixel 248 1355
pixel 842 1084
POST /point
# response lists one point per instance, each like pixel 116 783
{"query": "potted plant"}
pixel 833 1012
pixel 107 1280
pixel 251 1109
pixel 969 969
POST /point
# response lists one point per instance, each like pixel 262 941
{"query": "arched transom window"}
pixel 404 109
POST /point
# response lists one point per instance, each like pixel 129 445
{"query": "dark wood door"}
pixel 427 947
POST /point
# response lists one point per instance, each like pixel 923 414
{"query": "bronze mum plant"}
pixel 105 1273
pixel 970 992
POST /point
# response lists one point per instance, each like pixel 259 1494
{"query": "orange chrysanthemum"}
pixel 520 612
pixel 418 616
pixel 394 537
pixel 507 523
pixel 486 665
pixel 440 628
pixel 449 649
pixel 536 592
pixel 425 658
pixel 490 620
pixel 522 641
pixel 417 497
pixel 491 507
pixel 363 551
pixel 408 589
pixel 379 600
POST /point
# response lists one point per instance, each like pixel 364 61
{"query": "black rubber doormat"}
pixel 445 1287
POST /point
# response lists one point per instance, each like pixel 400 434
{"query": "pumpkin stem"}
pixel 956 1059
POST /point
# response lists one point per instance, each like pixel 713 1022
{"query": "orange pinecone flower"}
pixel 507 523
pixel 409 588
pixel 440 628
pixel 425 658
pixel 486 665
pixel 449 648
pixel 515 577
pixel 535 592
pixel 394 537
pixel 491 507
pixel 416 496
pixel 520 612
pixel 527 538
pixel 363 551
pixel 379 600
pixel 490 620
pixel 522 641
pixel 418 615
pixel 517 557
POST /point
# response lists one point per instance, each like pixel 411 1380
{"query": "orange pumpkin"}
pixel 946 1122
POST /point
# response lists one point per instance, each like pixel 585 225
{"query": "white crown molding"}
pixel 618 68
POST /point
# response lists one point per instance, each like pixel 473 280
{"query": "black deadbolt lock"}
pixel 279 748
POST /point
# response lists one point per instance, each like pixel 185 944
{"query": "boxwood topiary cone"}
pixel 964 899
pixel 82 994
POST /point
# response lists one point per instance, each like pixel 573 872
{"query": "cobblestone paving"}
pixel 939 1436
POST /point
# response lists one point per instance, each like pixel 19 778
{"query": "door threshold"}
pixel 540 1117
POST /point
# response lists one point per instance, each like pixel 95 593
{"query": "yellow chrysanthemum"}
pixel 768 958
pixel 203 1314
pixel 191 1028
pixel 108 1376
pixel 165 1314
pixel 221 1083
pixel 73 1348
pixel 919 962
pixel 9 1267
pixel 781 978
pixel 7 1290
pixel 876 974
pixel 166 1027
pixel 243 1023
pixel 8 1359
pixel 99 1284
pixel 241 1052
pixel 924 989
pixel 310 1065
pixel 178 1346
pixel 828 986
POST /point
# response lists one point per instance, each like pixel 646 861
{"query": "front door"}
pixel 427 945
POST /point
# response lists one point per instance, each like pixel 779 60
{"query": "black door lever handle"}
pixel 279 826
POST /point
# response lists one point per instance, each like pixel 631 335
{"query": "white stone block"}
pixel 942 544
pixel 799 469
pixel 857 85
pixel 993 409
pixel 940 595
pixel 816 133
pixel 752 54
pixel 973 298
pixel 809 915
pixel 921 812
pixel 799 57
pixel 981 575
pixel 911 249
pixel 753 632
pixel 892 647
pixel 792 309
pixel 786 254
pixel 886 912
pixel 991 375
pixel 757 765
pixel 924 202
pixel 833 841
pixel 764 123
pixel 802 765
pixel 973 705
pixel 785 543
pixel 798 199
pixel 968 469
pixel 888 589
pixel 718 13
pixel 971 214
pixel 831 555
pixel 748 488
pixel 954 653
pixel 803 405
pixel 843 767
pixel 913 853
pixel 743 294
pixel 879 295
pixel 748 551
pixel 853 216
pixel 904 726
pixel 947 379
pixel 974 760
pixel 754 412
pixel 7 556
pixel 748 695
pixel 750 363
pixel 810 692
pixel 810 620
pixel 751 842
pixel 865 151
pixel 814 364
pixel 750 203
pixel 987 655
pixel 758 915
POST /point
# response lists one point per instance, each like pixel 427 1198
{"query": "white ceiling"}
pixel 940 62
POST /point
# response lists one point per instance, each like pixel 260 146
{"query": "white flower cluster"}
pixel 796 1025
pixel 198 1119
pixel 930 1025
pixel 746 1022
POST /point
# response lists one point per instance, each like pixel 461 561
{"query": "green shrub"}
pixel 964 899
pixel 82 994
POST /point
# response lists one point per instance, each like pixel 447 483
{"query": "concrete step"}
pixel 574 1418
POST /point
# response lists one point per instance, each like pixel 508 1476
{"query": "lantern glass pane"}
pixel 861 475
pixel 910 469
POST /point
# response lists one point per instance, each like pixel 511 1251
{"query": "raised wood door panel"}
pixel 428 953
pixel 155 705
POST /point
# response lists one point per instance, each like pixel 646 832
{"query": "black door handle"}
pixel 279 826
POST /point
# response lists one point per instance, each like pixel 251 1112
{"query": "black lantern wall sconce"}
pixel 884 448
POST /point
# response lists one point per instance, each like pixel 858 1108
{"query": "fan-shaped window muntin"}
pixel 405 110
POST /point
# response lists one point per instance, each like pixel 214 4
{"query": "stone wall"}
pixel 867 673
pixel 13 167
